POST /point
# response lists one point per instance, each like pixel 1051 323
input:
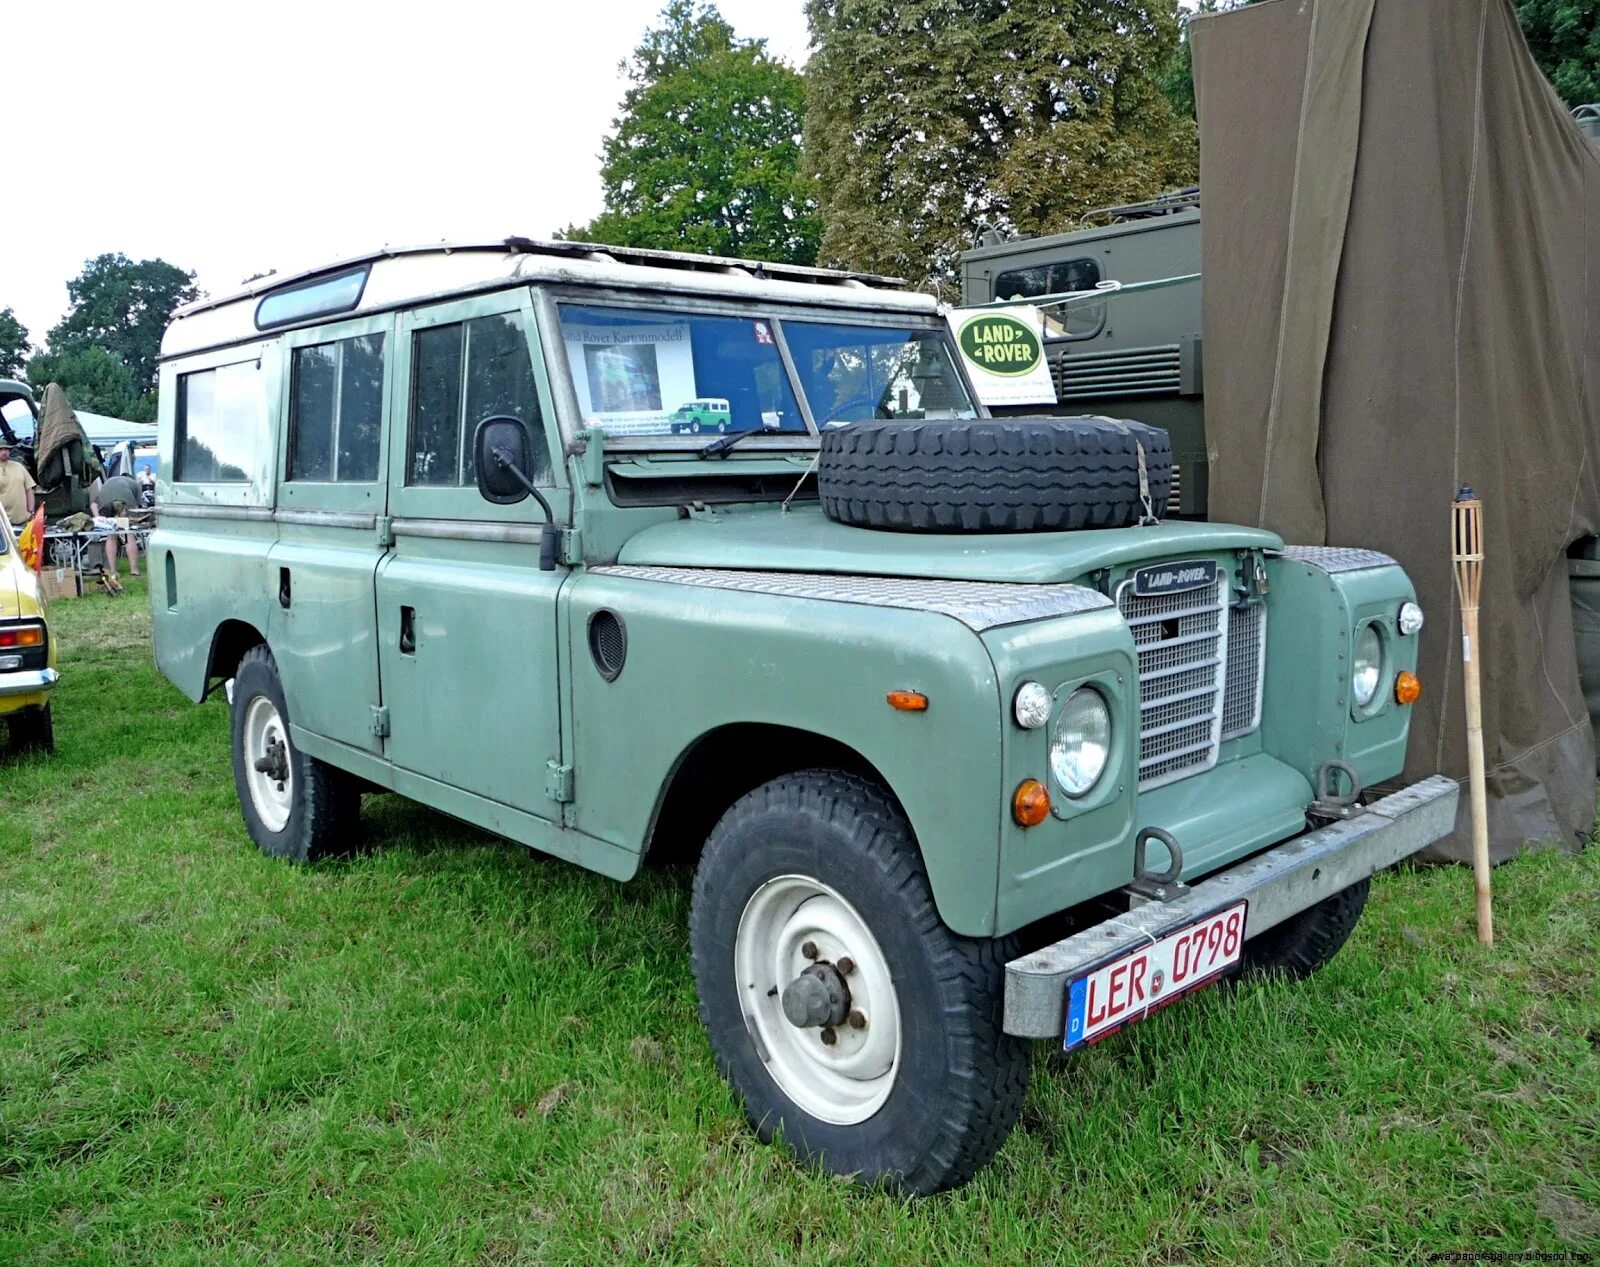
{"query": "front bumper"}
pixel 27 682
pixel 1278 883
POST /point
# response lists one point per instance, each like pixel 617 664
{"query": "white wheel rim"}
pixel 271 798
pixel 847 1081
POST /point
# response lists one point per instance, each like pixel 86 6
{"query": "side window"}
pixel 1079 321
pixel 1047 279
pixel 222 428
pixel 336 419
pixel 460 375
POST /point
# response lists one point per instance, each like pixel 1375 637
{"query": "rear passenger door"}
pixel 332 494
pixel 466 620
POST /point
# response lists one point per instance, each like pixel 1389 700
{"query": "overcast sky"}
pixel 232 139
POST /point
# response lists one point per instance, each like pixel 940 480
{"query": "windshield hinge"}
pixel 380 721
pixel 558 782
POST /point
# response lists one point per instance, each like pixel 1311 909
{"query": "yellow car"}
pixel 27 651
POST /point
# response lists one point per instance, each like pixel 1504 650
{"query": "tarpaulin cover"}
pixel 1399 298
pixel 58 428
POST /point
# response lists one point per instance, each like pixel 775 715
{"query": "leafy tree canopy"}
pixel 1564 36
pixel 13 344
pixel 95 380
pixel 123 307
pixel 928 123
pixel 705 155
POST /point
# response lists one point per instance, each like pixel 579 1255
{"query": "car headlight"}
pixel 1031 705
pixel 1081 745
pixel 1366 665
pixel 1410 619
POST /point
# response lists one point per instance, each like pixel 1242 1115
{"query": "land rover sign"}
pixel 1004 353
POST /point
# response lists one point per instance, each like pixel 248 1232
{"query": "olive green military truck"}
pixel 971 744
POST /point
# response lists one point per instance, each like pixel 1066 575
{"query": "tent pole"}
pixel 1466 524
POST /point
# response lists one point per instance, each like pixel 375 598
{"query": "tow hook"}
pixel 1156 886
pixel 1331 805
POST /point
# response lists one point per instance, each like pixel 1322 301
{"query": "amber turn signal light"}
pixel 908 701
pixel 22 636
pixel 1407 688
pixel 1030 804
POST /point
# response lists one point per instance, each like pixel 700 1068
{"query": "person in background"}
pixel 147 486
pixel 112 500
pixel 16 488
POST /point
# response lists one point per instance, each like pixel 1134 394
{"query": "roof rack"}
pixel 1163 205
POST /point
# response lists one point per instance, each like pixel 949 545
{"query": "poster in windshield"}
pixel 631 379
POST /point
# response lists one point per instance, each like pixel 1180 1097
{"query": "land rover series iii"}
pixel 971 744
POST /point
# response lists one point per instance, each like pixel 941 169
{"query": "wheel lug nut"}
pixel 809 950
pixel 845 965
pixel 858 1019
pixel 829 1038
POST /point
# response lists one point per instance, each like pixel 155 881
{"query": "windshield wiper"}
pixel 719 447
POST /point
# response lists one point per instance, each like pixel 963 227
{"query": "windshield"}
pixel 641 372
pixel 855 373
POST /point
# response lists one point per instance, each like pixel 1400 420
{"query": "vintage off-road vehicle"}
pixel 971 745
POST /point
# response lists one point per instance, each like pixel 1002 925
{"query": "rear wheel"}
pixel 294 806
pixel 847 1017
pixel 32 731
pixel 1299 946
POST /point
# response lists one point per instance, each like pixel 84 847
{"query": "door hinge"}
pixel 380 721
pixel 558 782
pixel 572 547
pixel 385 530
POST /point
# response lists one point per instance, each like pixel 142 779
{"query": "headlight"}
pixel 1031 706
pixel 1081 745
pixel 1366 665
pixel 1410 619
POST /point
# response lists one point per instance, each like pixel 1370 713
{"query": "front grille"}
pixel 1201 668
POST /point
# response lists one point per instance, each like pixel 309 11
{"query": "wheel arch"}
pixel 726 763
pixel 229 643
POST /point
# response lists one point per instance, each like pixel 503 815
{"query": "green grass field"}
pixel 450 1050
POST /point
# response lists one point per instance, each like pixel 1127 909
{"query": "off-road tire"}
pixel 992 474
pixel 32 730
pixel 1299 946
pixel 327 804
pixel 961 1078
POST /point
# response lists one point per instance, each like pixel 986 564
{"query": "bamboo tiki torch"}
pixel 1466 514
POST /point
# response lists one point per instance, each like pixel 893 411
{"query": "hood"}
pixel 804 540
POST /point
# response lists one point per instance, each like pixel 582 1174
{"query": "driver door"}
pixel 466 620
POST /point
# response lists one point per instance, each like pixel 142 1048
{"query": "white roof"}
pixel 406 276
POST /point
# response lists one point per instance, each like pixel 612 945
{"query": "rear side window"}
pixel 1047 279
pixel 222 430
pixel 337 421
pixel 461 374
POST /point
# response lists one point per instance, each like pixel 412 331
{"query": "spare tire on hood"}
pixel 993 474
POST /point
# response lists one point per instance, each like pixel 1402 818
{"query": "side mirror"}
pixel 503 455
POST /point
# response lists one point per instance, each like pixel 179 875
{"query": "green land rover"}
pixel 971 745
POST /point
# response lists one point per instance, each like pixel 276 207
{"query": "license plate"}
pixel 1131 986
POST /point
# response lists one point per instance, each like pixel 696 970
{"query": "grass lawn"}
pixel 451 1050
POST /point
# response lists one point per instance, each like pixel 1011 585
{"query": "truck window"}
pixel 643 372
pixel 337 413
pixel 461 374
pixel 853 373
pixel 222 429
pixel 1047 279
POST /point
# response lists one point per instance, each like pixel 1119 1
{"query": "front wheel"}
pixel 847 1018
pixel 1305 942
pixel 294 806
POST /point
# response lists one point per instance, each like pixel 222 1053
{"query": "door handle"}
pixel 283 588
pixel 408 631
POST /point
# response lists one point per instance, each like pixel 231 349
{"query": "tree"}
pixel 122 307
pixel 928 123
pixel 1564 36
pixel 13 344
pixel 95 380
pixel 705 155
